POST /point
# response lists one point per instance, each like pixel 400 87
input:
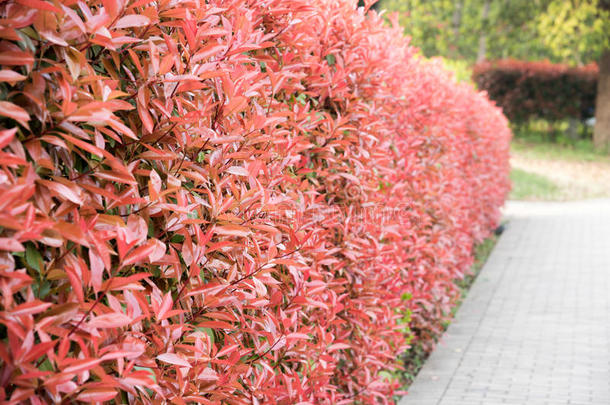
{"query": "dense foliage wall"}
pixel 229 201
pixel 539 89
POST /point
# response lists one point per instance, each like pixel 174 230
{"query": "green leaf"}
pixel 41 289
pixel 152 374
pixel 33 258
pixel 177 238
pixel 46 365
pixel 302 98
pixel 208 331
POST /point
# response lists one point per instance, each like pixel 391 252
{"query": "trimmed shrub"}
pixel 528 90
pixel 229 201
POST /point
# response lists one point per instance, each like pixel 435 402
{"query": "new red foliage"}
pixel 527 90
pixel 224 201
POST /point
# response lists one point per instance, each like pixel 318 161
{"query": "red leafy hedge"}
pixel 527 90
pixel 228 201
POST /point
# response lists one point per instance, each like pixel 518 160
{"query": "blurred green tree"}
pixel 473 29
pixel 575 31
pixel 568 31
pixel 578 31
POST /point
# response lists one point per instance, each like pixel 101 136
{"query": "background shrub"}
pixel 527 90
pixel 229 201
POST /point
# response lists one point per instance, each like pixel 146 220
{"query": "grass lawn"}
pixel 536 147
pixel 565 170
pixel 532 186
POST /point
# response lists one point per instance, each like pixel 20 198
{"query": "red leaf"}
pixel 81 365
pixel 139 254
pixel 337 346
pixel 226 350
pixel 15 112
pixel 145 116
pixel 38 350
pixel 173 358
pixel 208 374
pixel 113 320
pixel 60 190
pixel 97 395
pixel 6 136
pixel 11 76
pixel 166 305
pixel 118 283
pixel 29 308
pixel 132 20
pixel 41 5
pixel 97 270
pixel 296 335
pixel 112 7
pixel 10 244
pixel 16 58
pixel 238 171
pixel 113 176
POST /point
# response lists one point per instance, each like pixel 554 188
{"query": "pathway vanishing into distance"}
pixel 535 327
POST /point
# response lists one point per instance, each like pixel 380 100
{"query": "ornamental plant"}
pixel 545 90
pixel 229 201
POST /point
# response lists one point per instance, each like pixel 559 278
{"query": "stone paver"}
pixel 535 327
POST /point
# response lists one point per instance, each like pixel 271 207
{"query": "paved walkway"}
pixel 535 327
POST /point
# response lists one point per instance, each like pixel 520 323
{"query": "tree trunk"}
pixel 482 53
pixel 456 22
pixel 573 128
pixel 601 132
pixel 457 17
